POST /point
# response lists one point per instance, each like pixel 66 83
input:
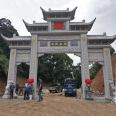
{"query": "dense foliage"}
pixel 94 69
pixel 7 30
pixel 55 68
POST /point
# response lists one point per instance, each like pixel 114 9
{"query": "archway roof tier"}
pixel 73 26
pixel 17 38
pixel 48 15
pixel 71 23
pixel 100 39
pixel 92 39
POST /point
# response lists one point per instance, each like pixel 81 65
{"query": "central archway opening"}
pixel 56 68
pixel 21 77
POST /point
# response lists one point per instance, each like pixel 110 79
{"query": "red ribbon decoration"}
pixel 88 81
pixel 30 81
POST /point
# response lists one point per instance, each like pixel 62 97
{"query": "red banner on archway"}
pixel 58 25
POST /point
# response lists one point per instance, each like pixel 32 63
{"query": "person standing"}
pixel 11 90
pixel 40 87
pixel 17 89
pixel 26 92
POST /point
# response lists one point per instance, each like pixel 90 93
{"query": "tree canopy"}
pixel 7 30
pixel 56 68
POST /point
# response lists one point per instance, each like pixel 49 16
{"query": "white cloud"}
pixel 75 58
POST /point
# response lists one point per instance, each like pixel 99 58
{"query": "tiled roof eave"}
pixel 17 38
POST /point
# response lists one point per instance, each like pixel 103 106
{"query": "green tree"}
pixel 7 30
pixel 23 70
pixel 94 69
pixel 77 74
pixel 3 65
pixel 112 50
pixel 54 67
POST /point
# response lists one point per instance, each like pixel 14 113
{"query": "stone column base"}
pixel 114 99
pixel 6 93
pixel 5 96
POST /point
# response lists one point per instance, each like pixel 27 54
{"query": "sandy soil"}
pixel 56 105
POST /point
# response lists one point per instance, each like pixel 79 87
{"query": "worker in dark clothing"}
pixel 17 89
pixel 11 90
pixel 28 89
pixel 40 87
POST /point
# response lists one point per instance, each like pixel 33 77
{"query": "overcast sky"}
pixel 29 10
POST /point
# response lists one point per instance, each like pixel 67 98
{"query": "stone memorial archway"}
pixel 59 35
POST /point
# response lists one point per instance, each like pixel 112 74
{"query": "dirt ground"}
pixel 56 105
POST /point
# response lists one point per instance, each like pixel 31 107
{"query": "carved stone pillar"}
pixel 11 72
pixel 84 62
pixel 107 70
pixel 34 62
